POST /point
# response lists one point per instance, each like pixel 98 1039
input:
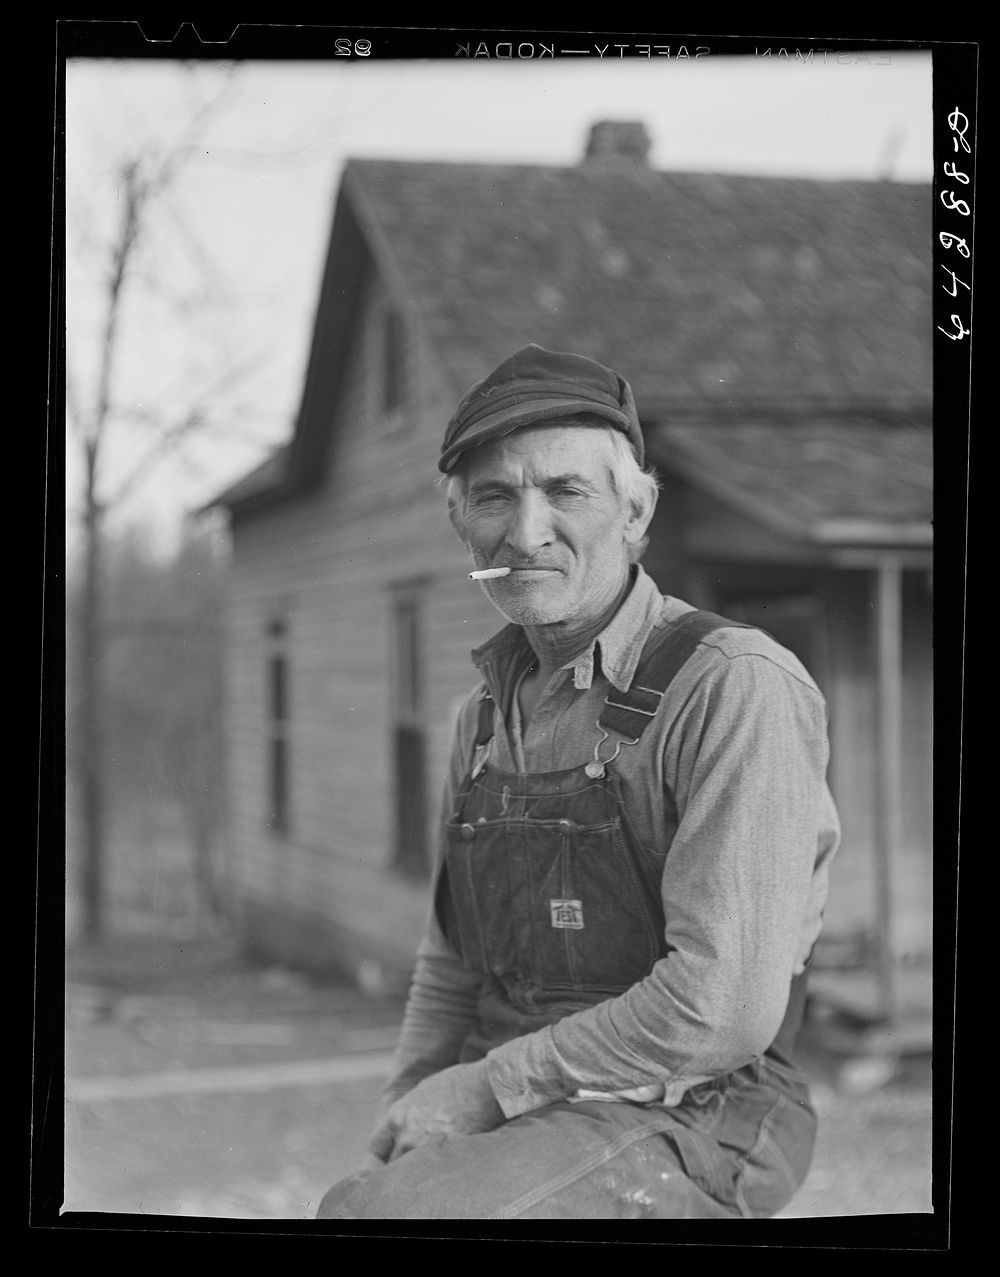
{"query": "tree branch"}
pixel 171 436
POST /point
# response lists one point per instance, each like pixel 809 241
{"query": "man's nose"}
pixel 530 525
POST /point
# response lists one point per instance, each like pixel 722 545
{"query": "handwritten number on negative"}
pixel 955 281
pixel 954 241
pixel 960 332
pixel 954 205
pixel 953 124
pixel 958 122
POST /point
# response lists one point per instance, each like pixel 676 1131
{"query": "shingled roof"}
pixel 700 289
pixel 773 329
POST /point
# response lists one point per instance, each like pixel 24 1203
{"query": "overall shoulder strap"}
pixel 629 713
pixel 484 733
pixel 484 723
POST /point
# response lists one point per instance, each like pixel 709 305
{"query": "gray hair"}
pixel 632 483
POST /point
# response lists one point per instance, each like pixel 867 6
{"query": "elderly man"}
pixel 635 843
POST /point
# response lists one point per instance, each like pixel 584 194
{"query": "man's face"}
pixel 541 502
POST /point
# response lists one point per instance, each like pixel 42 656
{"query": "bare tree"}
pixel 162 650
pixel 144 177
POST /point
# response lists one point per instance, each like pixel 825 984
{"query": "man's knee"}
pixel 435 1180
pixel 336 1201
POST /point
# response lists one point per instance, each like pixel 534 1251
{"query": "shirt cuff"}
pixel 523 1074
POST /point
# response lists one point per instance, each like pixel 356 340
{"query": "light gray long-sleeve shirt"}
pixel 737 757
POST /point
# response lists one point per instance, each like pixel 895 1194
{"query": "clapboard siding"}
pixel 332 565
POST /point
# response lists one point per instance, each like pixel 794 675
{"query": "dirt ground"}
pixel 200 1087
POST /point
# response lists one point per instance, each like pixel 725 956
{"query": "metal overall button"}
pixel 595 768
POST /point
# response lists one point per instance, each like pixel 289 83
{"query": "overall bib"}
pixel 545 888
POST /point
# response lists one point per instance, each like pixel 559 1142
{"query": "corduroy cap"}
pixel 536 385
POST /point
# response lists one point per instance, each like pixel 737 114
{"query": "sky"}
pixel 222 303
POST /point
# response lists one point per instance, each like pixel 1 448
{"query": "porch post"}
pixel 888 770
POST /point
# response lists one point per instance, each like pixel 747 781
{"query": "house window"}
pixel 277 693
pixel 409 742
pixel 393 363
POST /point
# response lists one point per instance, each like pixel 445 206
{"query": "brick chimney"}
pixel 618 141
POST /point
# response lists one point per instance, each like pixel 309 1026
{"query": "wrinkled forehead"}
pixel 539 454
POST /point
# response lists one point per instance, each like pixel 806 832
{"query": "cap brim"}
pixel 516 416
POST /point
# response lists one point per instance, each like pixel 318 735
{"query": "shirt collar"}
pixel 619 645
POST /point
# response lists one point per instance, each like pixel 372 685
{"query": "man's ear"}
pixel 640 516
pixel 457 521
pixel 455 492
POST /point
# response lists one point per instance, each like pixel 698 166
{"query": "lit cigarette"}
pixel 487 574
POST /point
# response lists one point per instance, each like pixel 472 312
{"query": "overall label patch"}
pixel 567 913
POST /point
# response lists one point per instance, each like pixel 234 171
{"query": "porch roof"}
pixel 830 481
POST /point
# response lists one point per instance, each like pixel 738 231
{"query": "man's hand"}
pixel 456 1101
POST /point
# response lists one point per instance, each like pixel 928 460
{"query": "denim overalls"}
pixel 546 891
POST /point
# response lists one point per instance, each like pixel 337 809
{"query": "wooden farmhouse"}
pixel 777 334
